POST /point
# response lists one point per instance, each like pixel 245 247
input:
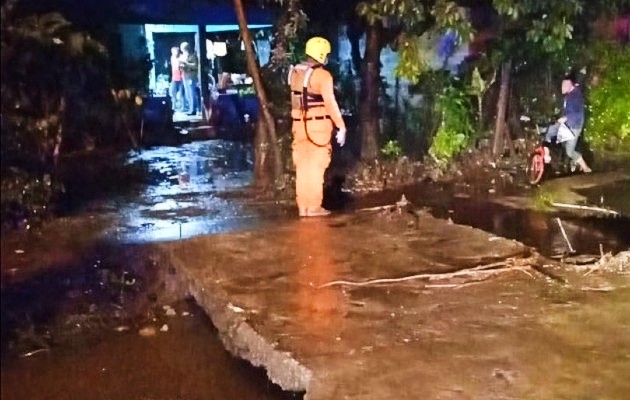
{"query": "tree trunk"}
pixel 261 166
pixel 204 79
pixel 354 36
pixel 271 138
pixel 499 130
pixel 369 109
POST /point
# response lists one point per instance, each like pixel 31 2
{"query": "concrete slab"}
pixel 347 341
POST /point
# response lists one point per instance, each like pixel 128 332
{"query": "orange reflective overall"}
pixel 314 110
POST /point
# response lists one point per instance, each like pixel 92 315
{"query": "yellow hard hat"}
pixel 318 48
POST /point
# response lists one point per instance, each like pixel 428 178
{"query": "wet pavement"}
pixel 401 306
pixel 185 197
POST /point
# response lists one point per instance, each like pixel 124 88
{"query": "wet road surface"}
pixel 185 199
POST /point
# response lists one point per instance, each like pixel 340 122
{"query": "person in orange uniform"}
pixel 314 111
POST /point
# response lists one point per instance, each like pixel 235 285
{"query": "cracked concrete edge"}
pixel 238 336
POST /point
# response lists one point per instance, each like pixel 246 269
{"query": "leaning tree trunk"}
pixel 271 142
pixel 262 177
pixel 369 110
pixel 500 127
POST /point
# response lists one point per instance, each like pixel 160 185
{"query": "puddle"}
pixel 615 196
pixel 536 229
pixel 183 196
pixel 543 231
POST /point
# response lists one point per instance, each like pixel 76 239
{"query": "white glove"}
pixel 341 136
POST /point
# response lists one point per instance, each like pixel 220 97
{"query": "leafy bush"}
pixel 57 96
pixel 392 150
pixel 456 126
pixel 608 119
pixel 24 196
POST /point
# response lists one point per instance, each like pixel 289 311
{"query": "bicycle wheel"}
pixel 535 168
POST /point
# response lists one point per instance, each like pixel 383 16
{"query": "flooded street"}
pixel 60 338
pixel 74 304
pixel 183 198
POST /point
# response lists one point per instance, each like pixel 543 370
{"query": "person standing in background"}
pixel 177 84
pixel 190 68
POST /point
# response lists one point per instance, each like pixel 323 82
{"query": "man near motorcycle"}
pixel 573 119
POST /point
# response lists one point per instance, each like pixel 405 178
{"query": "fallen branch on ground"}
pixel 564 234
pixel 399 204
pixel 481 271
pixel 586 208
pixel 378 208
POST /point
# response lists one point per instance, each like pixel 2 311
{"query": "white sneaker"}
pixel 547 156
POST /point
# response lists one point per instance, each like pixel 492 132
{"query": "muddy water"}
pixel 543 231
pixel 536 229
pixel 183 198
pixel 59 328
pixel 187 362
pixel 109 328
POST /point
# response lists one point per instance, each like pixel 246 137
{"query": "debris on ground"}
pixel 169 311
pixel 619 263
pixel 147 331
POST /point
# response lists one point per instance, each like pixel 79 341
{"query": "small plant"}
pixel 542 200
pixel 456 126
pixel 392 150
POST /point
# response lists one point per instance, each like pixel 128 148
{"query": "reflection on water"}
pixel 322 311
pixel 615 196
pixel 536 229
pixel 181 200
pixel 543 230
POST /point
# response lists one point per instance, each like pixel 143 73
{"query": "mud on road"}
pixel 398 305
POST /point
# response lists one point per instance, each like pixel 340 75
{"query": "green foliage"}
pixel 291 22
pixel 412 18
pixel 411 62
pixel 544 23
pixel 456 125
pixel 56 96
pixel 448 16
pixel 478 88
pixel 408 13
pixel 543 197
pixel 414 122
pixel 23 196
pixel 391 150
pixel 608 118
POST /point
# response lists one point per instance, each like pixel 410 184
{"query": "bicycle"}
pixel 542 157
